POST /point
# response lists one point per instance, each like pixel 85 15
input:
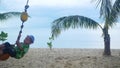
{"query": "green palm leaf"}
pixel 3 36
pixel 7 15
pixel 105 8
pixel 115 12
pixel 76 21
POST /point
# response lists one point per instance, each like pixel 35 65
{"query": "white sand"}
pixel 64 58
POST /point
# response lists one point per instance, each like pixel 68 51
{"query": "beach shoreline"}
pixel 64 58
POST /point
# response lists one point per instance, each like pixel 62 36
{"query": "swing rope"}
pixel 26 6
pixel 24 17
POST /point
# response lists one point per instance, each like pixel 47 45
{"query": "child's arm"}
pixel 19 45
pixel 18 42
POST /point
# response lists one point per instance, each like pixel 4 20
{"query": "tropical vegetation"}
pixel 109 12
pixel 3 36
pixel 7 15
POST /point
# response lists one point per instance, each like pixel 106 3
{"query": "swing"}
pixel 23 17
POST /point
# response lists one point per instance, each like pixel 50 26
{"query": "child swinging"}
pixel 17 51
pixel 7 49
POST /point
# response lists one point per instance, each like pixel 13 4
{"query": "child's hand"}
pixel 19 45
pixel 17 42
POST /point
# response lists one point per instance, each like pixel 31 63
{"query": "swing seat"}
pixel 4 57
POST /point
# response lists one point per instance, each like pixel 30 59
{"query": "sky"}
pixel 44 12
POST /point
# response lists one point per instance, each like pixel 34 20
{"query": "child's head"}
pixel 29 39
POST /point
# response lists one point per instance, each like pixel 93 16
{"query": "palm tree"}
pixel 108 12
pixel 7 15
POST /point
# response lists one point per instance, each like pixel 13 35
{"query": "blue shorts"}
pixel 9 49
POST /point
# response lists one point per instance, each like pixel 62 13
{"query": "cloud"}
pixel 60 3
pixel 13 5
pixel 19 4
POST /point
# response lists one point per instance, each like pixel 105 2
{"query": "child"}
pixel 17 51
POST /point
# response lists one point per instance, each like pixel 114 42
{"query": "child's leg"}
pixel 2 46
pixel 8 49
pixel 1 49
pixel 6 44
pixel 1 52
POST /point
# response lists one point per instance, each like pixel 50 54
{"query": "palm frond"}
pixel 105 8
pixel 7 15
pixel 115 12
pixel 76 21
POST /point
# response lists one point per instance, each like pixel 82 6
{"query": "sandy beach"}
pixel 64 58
